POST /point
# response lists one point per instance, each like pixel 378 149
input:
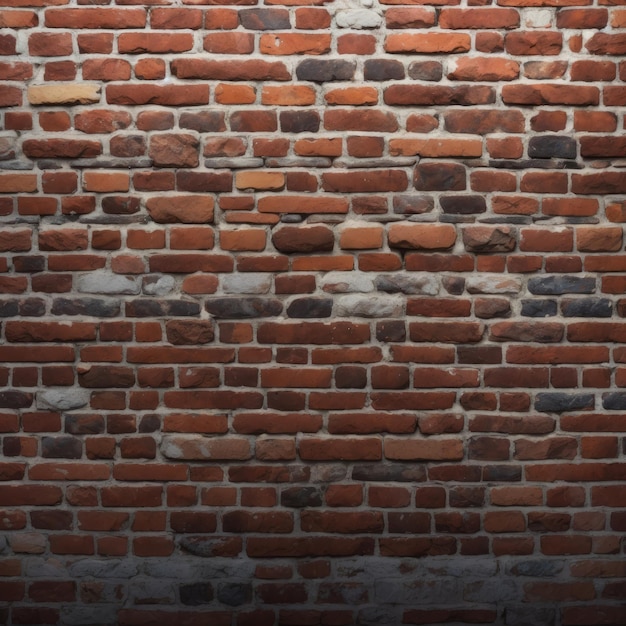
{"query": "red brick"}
pixel 516 496
pixel 312 19
pixel 72 544
pixel 50 44
pixel 166 95
pixel 429 95
pixel 176 18
pixel 427 450
pixel 340 522
pixel 62 149
pixel 366 449
pixel 429 43
pixel 484 69
pixel 602 43
pixel 18 19
pixel 356 44
pixel 600 614
pixel 544 182
pixel 410 17
pixel 229 43
pixel 154 43
pixel 153 546
pixel 355 96
pixel 294 43
pixel 590 71
pixel 95 18
pixel 504 522
pixel 435 148
pixel 565 544
pixel 538 94
pixel 454 18
pixel 357 120
pixel 218 19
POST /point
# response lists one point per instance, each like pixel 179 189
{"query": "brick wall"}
pixel 312 313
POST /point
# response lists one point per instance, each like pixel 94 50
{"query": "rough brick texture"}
pixel 312 312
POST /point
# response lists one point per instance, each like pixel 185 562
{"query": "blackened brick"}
pixel 552 146
pixel 560 402
pixel 323 71
pixel 383 69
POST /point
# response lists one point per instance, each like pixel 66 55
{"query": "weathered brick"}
pixel 550 94
pixel 50 44
pixel 175 18
pixel 173 150
pixel 601 239
pixel 364 181
pixel 95 18
pixel 440 176
pixel 374 120
pixel 229 43
pixel 543 240
pixel 431 71
pixel 422 236
pixel 165 95
pixel 296 95
pixel 446 332
pixel 234 94
pixel 154 43
pixel 436 147
pixel 605 43
pixel 454 18
pixel 528 43
pixel 383 69
pixel 484 69
pixel 489 239
pixel 429 43
pixel 431 95
pixel 294 43
pixel 208 69
pixel 410 17
pixel 186 209
pixel 264 19
pixel 61 149
pixel 547 147
pixel 323 71
pixel 18 19
pixel 591 184
pixel 365 449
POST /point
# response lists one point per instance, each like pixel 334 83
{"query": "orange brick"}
pixel 484 69
pixel 260 180
pixel 546 240
pixel 509 148
pixel 229 43
pixel 352 96
pixel 303 204
pixel 295 43
pixel 361 237
pixel 330 147
pixel 428 43
pixel 252 239
pixel 422 236
pixel 18 183
pixel 288 95
pixel 234 94
pixel 106 182
pixel 437 147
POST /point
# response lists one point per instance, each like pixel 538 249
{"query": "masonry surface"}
pixel 312 312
